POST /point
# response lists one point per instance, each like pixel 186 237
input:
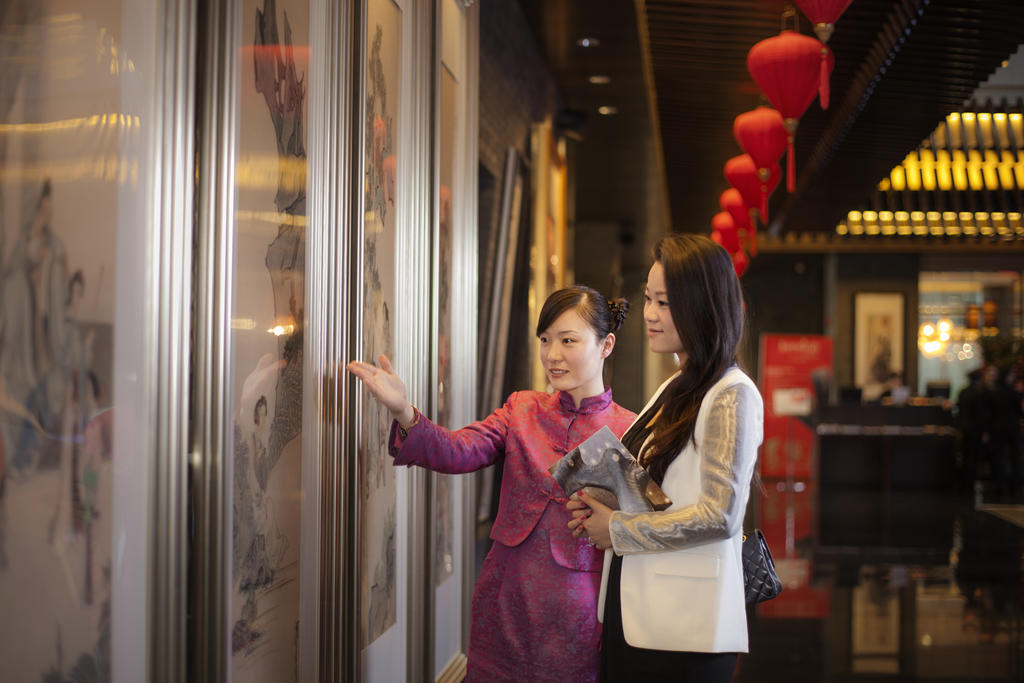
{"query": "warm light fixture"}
pixel 600 79
pixel 930 341
pixel 945 330
pixel 279 330
pixel 607 110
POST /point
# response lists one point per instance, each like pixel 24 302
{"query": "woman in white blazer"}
pixel 672 598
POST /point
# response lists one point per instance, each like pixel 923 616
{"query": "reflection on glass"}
pixel 267 327
pixel 67 164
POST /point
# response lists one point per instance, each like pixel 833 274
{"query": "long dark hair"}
pixel 604 316
pixel 706 303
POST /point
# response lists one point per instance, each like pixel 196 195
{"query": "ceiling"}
pixel 901 67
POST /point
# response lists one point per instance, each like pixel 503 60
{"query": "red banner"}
pixel 789 365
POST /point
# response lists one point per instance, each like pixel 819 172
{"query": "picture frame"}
pixel 384 243
pixel 549 247
pixel 501 265
pixel 455 341
pixel 264 407
pixel 878 342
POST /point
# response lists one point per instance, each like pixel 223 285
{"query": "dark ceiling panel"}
pixel 901 66
pixel 921 67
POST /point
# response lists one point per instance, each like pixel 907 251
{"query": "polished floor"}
pixel 938 598
pixel 933 593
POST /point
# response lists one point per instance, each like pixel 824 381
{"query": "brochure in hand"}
pixel 606 470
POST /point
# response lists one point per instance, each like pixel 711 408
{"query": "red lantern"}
pixel 741 172
pixel 823 14
pixel 730 238
pixel 787 68
pixel 732 203
pixel 740 263
pixel 762 134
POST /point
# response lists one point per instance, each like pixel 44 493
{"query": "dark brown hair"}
pixel 603 316
pixel 706 303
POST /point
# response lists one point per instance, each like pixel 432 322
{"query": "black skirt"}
pixel 623 663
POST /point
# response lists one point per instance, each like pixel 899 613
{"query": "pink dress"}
pixel 535 602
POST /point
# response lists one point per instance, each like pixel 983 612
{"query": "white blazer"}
pixel 692 600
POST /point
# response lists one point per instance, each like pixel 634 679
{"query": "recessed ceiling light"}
pixel 588 42
pixel 600 79
pixel 607 110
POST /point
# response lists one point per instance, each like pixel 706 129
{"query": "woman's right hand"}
pixel 386 386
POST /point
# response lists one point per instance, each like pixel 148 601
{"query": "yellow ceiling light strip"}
pixel 961 160
pixel 934 223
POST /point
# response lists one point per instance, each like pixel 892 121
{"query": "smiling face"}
pixel 573 356
pixel 662 335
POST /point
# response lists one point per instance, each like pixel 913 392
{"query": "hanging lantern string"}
pixel 789 12
pixel 823 15
pixel 790 124
pixel 823 85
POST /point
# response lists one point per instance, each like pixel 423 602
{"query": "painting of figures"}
pixel 878 342
pixel 377 487
pixel 66 160
pixel 444 528
pixel 267 334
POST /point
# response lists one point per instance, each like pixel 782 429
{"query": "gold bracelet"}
pixel 404 431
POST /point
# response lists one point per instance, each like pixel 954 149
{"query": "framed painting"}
pixel 385 243
pixel 501 273
pixel 455 340
pixel 83 164
pixel 265 353
pixel 878 342
pixel 549 251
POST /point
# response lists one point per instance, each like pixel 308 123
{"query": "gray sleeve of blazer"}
pixel 728 452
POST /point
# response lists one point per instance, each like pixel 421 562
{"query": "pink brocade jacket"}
pixel 531 431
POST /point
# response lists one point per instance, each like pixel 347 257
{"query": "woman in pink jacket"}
pixel 535 602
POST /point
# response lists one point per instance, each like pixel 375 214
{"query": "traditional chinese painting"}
pixel 878 342
pixel 267 336
pixel 67 160
pixel 444 494
pixel 377 486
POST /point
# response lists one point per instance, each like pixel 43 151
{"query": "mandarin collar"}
pixel 589 405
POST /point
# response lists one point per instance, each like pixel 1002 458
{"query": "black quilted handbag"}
pixel 759 578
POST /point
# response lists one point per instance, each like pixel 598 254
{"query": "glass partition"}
pixel 79 204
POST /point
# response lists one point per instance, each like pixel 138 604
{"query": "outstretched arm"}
pixel 429 445
pixel 388 388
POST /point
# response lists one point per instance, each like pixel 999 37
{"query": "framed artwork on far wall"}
pixel 878 335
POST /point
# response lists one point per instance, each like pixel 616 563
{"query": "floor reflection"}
pixel 934 594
